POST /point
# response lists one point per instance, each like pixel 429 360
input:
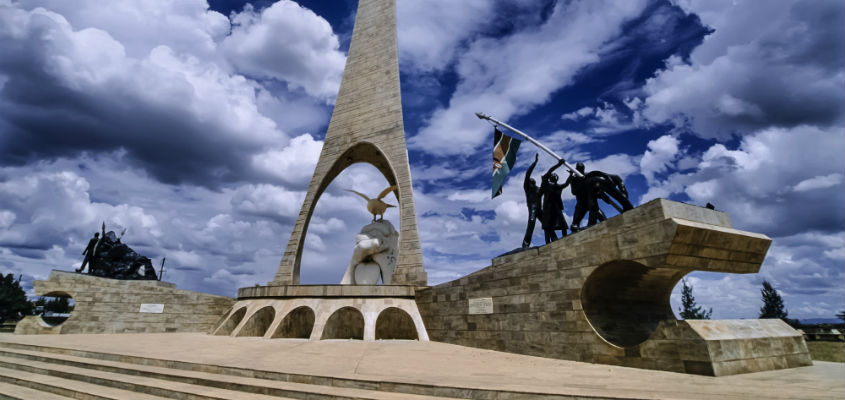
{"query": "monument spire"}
pixel 366 126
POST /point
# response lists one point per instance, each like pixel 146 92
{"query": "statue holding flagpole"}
pixel 588 187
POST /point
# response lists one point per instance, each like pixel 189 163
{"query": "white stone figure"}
pixel 374 256
pixel 376 206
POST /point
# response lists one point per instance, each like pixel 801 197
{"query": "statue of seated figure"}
pixel 374 256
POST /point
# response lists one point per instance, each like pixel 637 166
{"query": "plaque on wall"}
pixel 152 308
pixel 481 305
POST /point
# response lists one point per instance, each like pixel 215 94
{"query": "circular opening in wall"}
pixel 625 301
pixel 54 308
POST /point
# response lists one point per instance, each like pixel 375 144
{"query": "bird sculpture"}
pixel 376 206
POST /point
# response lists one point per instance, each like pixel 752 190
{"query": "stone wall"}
pixel 602 296
pixel 104 305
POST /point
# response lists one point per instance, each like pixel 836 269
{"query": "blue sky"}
pixel 197 124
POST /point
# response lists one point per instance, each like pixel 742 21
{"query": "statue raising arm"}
pixel 552 169
pixel 529 172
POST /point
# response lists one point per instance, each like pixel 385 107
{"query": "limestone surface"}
pixel 602 296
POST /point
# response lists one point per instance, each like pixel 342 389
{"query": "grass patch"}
pixel 827 351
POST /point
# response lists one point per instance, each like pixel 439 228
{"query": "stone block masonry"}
pixel 104 305
pixel 602 296
pixel 366 126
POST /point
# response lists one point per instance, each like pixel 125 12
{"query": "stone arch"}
pixel 624 300
pixel 297 324
pixel 231 323
pixel 259 322
pixel 345 323
pixel 395 323
pixel 362 152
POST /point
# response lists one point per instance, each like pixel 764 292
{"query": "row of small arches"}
pixel 345 323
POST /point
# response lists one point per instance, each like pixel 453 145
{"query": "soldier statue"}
pixel 552 218
pixel 533 198
pixel 89 252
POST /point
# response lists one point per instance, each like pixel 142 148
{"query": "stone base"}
pixel 602 295
pixel 104 305
pixel 317 312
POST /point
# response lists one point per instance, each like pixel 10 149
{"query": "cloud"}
pixel 168 99
pixel 778 181
pixel 289 43
pixel 539 61
pixel 661 153
pixel 293 164
pixel 780 65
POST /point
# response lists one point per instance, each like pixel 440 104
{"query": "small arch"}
pixel 230 323
pixel 345 323
pixel 624 300
pixel 395 323
pixel 259 322
pixel 298 324
pixel 54 308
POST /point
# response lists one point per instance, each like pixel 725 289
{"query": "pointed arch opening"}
pixel 327 244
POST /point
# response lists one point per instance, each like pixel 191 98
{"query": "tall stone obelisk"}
pixel 366 126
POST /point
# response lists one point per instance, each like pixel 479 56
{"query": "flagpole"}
pixel 530 139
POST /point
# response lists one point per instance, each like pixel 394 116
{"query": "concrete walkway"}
pixel 438 364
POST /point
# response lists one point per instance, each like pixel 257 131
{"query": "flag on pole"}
pixel 504 157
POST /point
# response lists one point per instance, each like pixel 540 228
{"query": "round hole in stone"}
pixel 231 322
pixel 345 323
pixel 395 323
pixel 54 308
pixel 259 322
pixel 625 300
pixel 298 324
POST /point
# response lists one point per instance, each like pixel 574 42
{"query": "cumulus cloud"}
pixel 539 61
pixel 659 156
pixel 778 181
pixel 287 42
pixel 780 65
pixel 293 164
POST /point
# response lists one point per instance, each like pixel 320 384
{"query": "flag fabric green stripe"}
pixel 504 158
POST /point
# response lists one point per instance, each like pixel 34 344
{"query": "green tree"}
pixel 772 303
pixel 690 310
pixel 13 301
pixel 841 315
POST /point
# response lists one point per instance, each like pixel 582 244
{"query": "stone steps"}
pixel 36 386
pixel 9 391
pixel 91 372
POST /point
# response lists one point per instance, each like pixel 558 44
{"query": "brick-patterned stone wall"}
pixel 366 126
pixel 602 295
pixel 105 305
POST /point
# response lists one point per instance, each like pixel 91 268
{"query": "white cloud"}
pixel 765 184
pixel 661 153
pixel 818 182
pixel 778 65
pixel 293 164
pixel 538 62
pixel 290 43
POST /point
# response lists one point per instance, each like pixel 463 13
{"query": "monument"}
pixel 598 295
pixel 366 126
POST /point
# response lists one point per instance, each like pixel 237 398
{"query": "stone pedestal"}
pixel 104 305
pixel 320 312
pixel 602 295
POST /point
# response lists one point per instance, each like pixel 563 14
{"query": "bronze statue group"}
pixel 546 203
